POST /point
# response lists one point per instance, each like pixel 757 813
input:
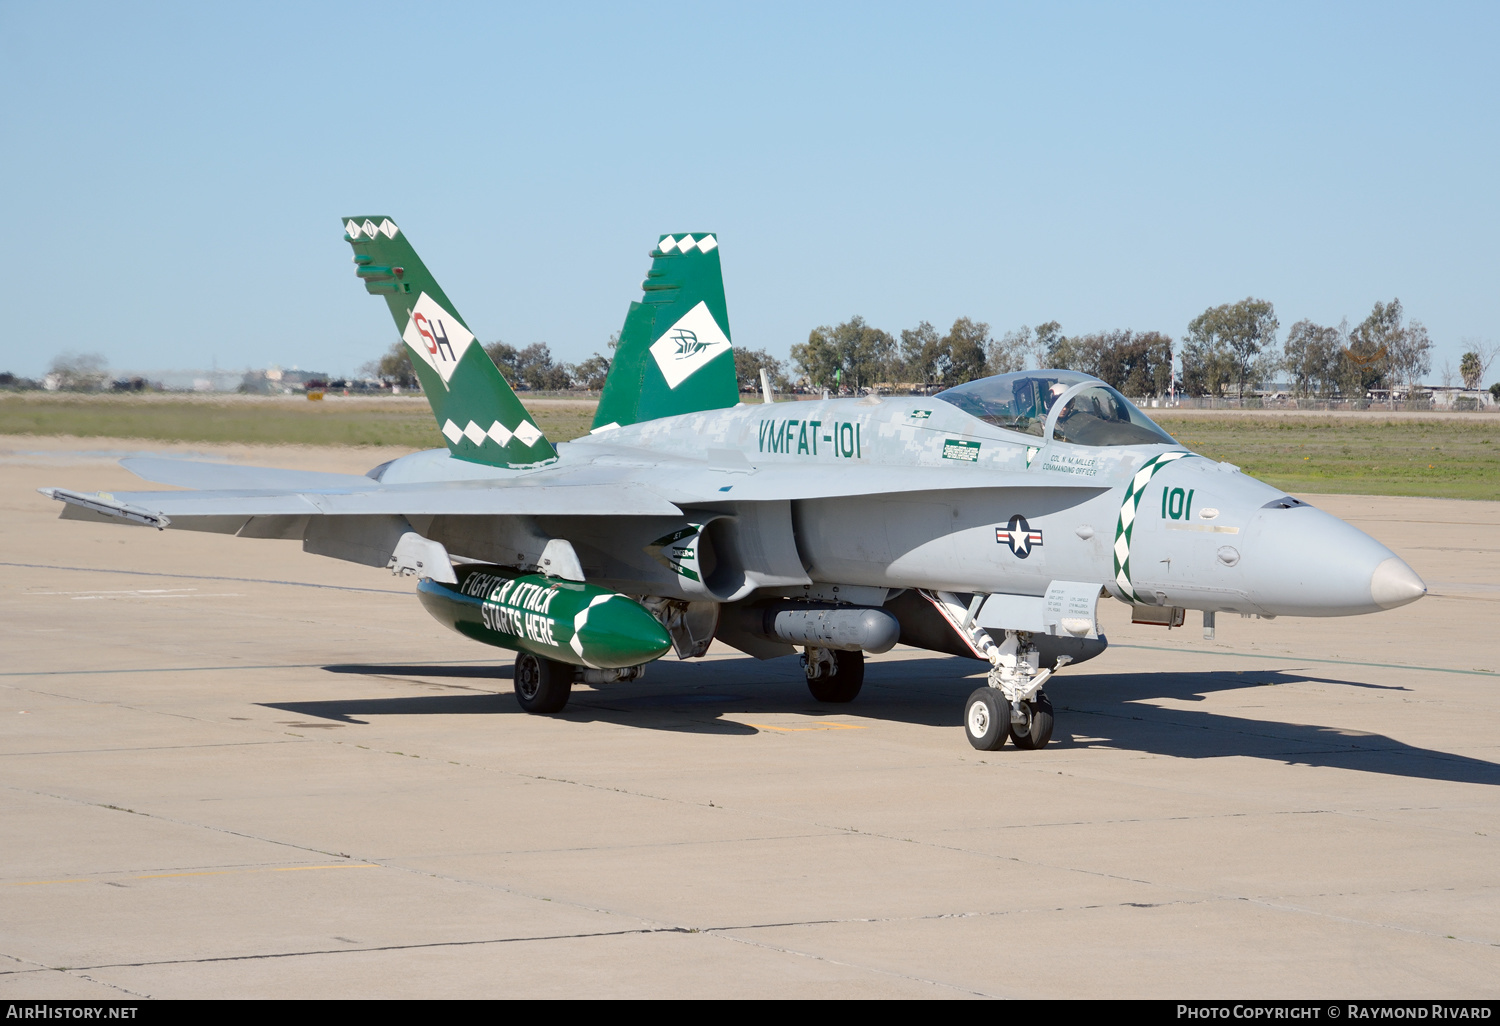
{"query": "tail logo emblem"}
pixel 687 343
pixel 691 343
pixel 436 337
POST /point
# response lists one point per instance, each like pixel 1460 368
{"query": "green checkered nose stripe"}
pixel 1126 524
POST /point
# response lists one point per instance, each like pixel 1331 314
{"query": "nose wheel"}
pixel 989 719
pixel 1031 722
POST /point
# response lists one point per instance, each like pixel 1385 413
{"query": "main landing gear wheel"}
pixel 841 682
pixel 1036 731
pixel 987 719
pixel 542 685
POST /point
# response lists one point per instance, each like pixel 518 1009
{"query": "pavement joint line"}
pixel 717 933
pixel 802 835
pixel 203 577
pixel 104 983
pixel 372 948
pixel 1208 897
pixel 43 968
pixel 191 872
pixel 331 854
pixel 178 822
pixel 1308 659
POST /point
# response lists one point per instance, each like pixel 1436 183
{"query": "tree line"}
pixel 1229 349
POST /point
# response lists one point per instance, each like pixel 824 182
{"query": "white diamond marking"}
pixel 708 243
pixel 667 244
pixel 369 227
pixel 474 433
pixel 453 431
pixel 352 229
pixel 387 229
pixel 528 433
pixel 500 433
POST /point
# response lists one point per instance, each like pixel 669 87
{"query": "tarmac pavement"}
pixel 231 769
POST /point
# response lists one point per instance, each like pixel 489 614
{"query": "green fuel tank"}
pixel 566 621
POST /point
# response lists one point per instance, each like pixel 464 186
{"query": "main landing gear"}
pixel 832 675
pixel 542 685
pixel 1012 704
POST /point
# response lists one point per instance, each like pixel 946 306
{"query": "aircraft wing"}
pixel 235 495
pixel 227 509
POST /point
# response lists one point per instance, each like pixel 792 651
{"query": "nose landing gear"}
pixel 1012 704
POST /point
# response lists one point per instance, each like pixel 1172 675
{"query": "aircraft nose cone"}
pixel 1304 562
pixel 1395 584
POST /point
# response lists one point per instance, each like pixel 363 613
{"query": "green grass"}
pixel 1453 457
pixel 254 420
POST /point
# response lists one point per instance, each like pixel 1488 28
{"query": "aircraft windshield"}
pixel 1019 401
pixel 1097 415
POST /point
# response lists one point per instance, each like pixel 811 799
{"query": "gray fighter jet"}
pixel 985 521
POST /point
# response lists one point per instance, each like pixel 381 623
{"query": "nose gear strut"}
pixel 1024 713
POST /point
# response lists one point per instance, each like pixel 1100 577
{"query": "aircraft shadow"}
pixel 1098 710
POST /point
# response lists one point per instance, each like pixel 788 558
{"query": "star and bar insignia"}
pixel 1019 535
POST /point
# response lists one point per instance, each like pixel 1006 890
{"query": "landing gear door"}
pixel 1072 608
pixel 1067 610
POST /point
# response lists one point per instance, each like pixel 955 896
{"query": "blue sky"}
pixel 175 175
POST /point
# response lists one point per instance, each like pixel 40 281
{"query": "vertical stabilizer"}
pixel 478 413
pixel 674 354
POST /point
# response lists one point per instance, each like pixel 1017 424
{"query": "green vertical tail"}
pixel 475 408
pixel 674 354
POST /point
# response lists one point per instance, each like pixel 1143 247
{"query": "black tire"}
pixel 843 684
pixel 986 719
pixel 1037 730
pixel 542 685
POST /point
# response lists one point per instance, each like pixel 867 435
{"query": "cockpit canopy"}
pixel 1091 413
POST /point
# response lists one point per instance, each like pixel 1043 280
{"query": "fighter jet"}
pixel 985 521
